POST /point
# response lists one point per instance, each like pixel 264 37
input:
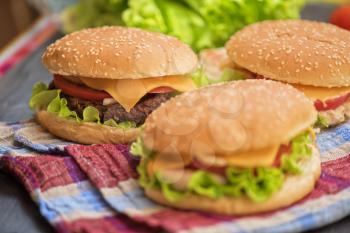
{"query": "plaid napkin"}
pixel 94 188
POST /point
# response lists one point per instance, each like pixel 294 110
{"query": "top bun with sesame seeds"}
pixel 294 51
pixel 229 118
pixel 119 53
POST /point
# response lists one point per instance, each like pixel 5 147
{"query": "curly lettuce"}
pixel 207 23
pixel 51 101
pixel 321 122
pixel 200 79
pixel 92 13
pixel 258 184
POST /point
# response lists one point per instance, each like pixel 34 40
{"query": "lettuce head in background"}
pixel 199 23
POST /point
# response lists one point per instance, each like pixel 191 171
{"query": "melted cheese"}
pixel 322 93
pixel 164 163
pixel 128 92
pixel 257 158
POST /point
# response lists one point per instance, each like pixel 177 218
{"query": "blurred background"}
pixel 26 24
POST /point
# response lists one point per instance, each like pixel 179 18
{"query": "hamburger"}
pixel 106 81
pixel 235 148
pixel 314 57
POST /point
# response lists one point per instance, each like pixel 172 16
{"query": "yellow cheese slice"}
pixel 257 158
pixel 322 93
pixel 128 92
pixel 166 162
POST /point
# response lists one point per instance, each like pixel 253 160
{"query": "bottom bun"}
pixel 294 188
pixel 85 133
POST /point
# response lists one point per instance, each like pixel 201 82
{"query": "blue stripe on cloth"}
pixel 35 137
pixel 333 138
pixel 302 219
pixel 132 200
pixel 87 201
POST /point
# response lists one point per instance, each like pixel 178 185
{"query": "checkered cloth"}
pixel 94 188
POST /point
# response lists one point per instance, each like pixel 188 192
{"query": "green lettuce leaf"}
pixel 257 184
pixel 206 23
pixel 91 114
pixel 300 148
pixel 169 193
pixel 144 14
pixel 50 100
pixel 92 13
pixel 137 148
pixel 204 184
pixel 321 122
pixel 201 79
pixel 265 183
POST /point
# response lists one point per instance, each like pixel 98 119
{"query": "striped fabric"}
pixel 94 188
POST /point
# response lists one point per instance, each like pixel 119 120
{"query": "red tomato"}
pixel 284 149
pixel 75 90
pixel 162 90
pixel 341 17
pixel 331 103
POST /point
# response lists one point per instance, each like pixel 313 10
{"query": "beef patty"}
pixel 115 111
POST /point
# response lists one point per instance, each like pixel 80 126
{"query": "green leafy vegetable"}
pixel 93 13
pixel 265 183
pixel 206 23
pixel 91 114
pixel 299 149
pixel 321 122
pixel 258 184
pixel 50 100
pixel 204 184
pixel 169 193
pixel 201 79
pixel 201 24
pixel 138 149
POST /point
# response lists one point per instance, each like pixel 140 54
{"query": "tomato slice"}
pixel 162 90
pixel 331 103
pixel 75 90
pixel 341 17
pixel 284 149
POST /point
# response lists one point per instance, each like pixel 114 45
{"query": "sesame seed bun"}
pixel 228 118
pixel 85 133
pixel 293 189
pixel 119 53
pixel 294 51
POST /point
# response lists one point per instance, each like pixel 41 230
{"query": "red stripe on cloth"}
pixel 43 171
pixel 115 224
pixel 36 172
pixel 173 220
pixel 335 177
pixel 106 165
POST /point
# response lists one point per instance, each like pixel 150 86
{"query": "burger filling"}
pixel 124 104
pixel 332 104
pixel 256 183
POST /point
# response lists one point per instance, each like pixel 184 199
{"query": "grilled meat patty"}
pixel 115 111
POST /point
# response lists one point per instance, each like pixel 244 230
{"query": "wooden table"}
pixel 17 212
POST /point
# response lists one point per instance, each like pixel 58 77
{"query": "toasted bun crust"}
pixel 85 133
pixel 228 118
pixel 293 189
pixel 294 51
pixel 119 53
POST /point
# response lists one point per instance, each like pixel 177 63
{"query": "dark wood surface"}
pixel 17 211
